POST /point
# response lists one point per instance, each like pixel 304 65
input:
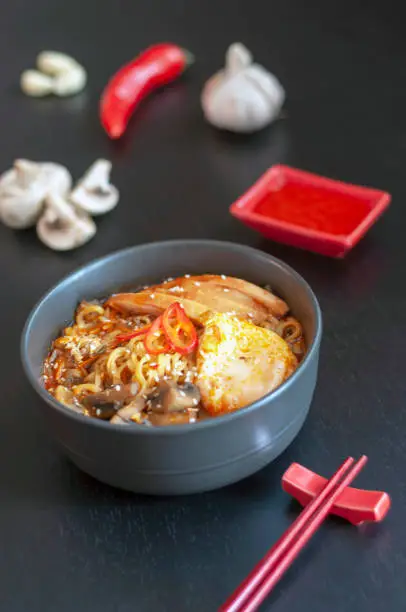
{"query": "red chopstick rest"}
pixel 355 505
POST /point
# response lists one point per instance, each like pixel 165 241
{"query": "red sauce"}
pixel 317 208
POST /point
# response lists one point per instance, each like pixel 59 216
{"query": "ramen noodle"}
pixel 190 348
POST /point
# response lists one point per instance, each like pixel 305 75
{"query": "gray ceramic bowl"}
pixel 184 458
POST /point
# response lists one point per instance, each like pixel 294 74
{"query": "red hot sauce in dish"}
pixel 314 207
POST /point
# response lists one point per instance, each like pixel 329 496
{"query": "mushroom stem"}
pixel 94 193
pixel 62 227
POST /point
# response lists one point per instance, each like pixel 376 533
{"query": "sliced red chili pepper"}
pixel 179 329
pixel 155 341
pixel 137 332
pixel 155 67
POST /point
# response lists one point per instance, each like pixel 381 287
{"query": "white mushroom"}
pixel 62 227
pixel 244 97
pixel 94 192
pixel 24 188
pixel 57 73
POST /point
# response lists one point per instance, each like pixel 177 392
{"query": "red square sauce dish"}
pixel 309 211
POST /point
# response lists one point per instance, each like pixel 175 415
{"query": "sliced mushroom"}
pixel 62 227
pixel 102 411
pixel 94 193
pixel 105 404
pixel 24 188
pixel 171 397
pixel 131 413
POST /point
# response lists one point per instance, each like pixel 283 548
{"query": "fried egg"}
pixel 239 362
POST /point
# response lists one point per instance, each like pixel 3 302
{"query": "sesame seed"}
pixel 223 276
pixel 187 275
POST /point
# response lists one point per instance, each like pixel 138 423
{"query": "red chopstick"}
pixel 261 580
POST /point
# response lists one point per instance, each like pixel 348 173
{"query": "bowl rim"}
pixel 173 429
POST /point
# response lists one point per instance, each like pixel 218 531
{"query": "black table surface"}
pixel 70 543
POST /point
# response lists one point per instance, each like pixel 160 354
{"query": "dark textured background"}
pixel 68 543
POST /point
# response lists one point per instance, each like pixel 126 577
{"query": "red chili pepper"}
pixel 137 332
pixel 155 341
pixel 155 67
pixel 179 329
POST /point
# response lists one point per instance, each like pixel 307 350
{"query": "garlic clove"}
pixel 94 193
pixel 35 84
pixel 62 227
pixel 71 82
pixel 54 63
pixel 69 77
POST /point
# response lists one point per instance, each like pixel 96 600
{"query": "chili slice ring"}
pixel 156 341
pixel 179 329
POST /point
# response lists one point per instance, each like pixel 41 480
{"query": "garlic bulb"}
pixel 243 97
